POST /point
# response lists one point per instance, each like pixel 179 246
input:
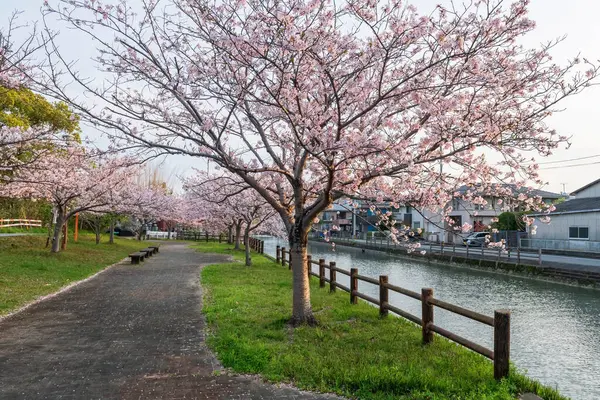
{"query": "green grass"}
pixel 32 230
pixel 29 270
pixel 352 352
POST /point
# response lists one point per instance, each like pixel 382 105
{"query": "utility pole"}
pixel 353 221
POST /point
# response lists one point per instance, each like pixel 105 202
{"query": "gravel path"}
pixel 132 332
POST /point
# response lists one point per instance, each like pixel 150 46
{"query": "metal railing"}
pixel 452 251
pixel 566 245
pixel 160 235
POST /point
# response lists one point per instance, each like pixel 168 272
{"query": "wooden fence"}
pixel 26 223
pixel 500 322
pixel 255 244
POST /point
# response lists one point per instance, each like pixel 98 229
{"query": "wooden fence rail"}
pixel 255 244
pixel 500 322
pixel 26 223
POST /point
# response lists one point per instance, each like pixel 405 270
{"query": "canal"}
pixel 555 328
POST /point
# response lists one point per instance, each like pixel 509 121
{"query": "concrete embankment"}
pixel 568 273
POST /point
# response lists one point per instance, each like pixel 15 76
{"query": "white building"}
pixel 574 225
pixel 480 216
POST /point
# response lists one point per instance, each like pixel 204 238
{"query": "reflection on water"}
pixel 554 328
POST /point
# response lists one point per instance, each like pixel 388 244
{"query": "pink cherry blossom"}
pixel 304 110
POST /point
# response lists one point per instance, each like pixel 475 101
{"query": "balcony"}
pixel 341 222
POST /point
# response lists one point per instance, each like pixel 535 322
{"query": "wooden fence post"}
pixel 427 314
pixel 321 272
pixel 442 247
pixel 332 276
pixel 290 259
pixel 283 256
pixel 467 251
pixel 518 255
pixel 262 247
pixel 206 237
pixel 277 249
pixel 539 256
pixel 309 264
pixel 383 296
pixel 353 285
pixel 501 343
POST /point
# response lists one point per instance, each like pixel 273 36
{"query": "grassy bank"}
pixel 353 352
pixel 29 231
pixel 28 270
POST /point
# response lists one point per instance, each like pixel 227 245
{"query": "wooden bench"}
pixel 137 257
pixel 155 247
pixel 149 251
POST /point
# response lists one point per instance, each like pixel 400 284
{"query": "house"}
pixel 357 219
pixel 338 215
pixel 575 224
pixel 480 216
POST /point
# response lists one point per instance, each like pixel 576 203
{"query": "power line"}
pixel 570 159
pixel 572 165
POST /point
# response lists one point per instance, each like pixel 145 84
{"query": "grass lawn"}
pixel 31 231
pixel 353 352
pixel 29 270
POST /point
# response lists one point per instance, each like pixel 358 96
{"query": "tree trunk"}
pixel 60 221
pixel 168 233
pixel 112 231
pixel 301 308
pixel 98 236
pixel 230 234
pixel 238 231
pixel 247 247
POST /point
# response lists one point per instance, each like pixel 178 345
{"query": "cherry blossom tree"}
pixel 226 194
pixel 22 143
pixel 308 101
pixel 73 180
pixel 97 222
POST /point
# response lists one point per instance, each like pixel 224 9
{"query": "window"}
pixel 416 224
pixel 579 232
pixel 455 204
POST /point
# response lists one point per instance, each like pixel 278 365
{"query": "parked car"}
pixel 122 232
pixel 475 239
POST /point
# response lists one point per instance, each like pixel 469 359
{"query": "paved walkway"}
pixel 133 332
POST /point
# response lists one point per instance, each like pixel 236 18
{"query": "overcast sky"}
pixel 578 19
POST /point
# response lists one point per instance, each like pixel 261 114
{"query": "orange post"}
pixel 76 234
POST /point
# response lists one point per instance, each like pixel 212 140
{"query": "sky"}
pixel 577 19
